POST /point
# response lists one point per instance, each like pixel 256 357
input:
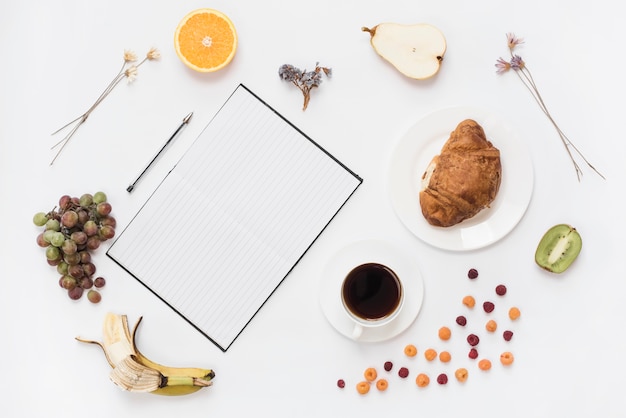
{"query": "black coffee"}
pixel 371 291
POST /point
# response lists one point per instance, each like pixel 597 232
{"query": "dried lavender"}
pixel 304 80
pixel 520 68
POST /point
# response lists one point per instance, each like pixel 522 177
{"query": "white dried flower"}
pixel 129 56
pixel 153 54
pixel 131 73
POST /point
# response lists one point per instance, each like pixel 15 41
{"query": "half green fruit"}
pixel 558 248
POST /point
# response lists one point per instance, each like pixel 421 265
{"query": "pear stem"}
pixel 372 31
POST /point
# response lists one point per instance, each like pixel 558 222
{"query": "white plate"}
pixel 365 252
pixel 422 142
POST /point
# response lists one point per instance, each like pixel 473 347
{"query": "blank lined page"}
pixel 233 217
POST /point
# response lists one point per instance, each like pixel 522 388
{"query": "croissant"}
pixel 463 179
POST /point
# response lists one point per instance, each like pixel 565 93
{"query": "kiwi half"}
pixel 558 248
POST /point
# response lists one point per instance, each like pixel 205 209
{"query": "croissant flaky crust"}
pixel 463 179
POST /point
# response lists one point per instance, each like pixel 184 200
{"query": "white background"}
pixel 569 343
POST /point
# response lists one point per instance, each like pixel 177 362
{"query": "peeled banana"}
pixel 134 372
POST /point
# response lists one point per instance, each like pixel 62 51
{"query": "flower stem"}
pixel 82 118
pixel 527 79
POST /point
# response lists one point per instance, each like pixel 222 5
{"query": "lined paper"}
pixel 233 217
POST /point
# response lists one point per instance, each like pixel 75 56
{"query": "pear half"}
pixel 415 50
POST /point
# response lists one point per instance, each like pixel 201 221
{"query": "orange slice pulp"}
pixel 205 40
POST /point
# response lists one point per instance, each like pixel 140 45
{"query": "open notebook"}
pixel 233 217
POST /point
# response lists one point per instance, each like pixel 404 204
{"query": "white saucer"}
pixel 363 252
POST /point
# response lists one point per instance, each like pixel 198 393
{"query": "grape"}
pixel 75 293
pixel 90 228
pixel 62 268
pixel 86 200
pixel 76 271
pixel 106 232
pixel 57 239
pixel 53 253
pixel 64 202
pixel 85 257
pixel 79 237
pixel 86 283
pixel 68 282
pixel 89 269
pixel 47 235
pixel 69 247
pixel 93 243
pixel 72 259
pixel 69 219
pixel 41 241
pixel 103 208
pixel 99 197
pixel 40 219
pixel 70 234
pixel 83 216
pixel 53 225
pixel 108 221
pixel 94 296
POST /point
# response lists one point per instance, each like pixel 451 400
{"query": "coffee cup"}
pixel 372 296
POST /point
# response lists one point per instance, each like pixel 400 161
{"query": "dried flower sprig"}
pixel 519 67
pixel 304 80
pixel 128 71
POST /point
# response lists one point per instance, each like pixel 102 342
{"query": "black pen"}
pixel 182 125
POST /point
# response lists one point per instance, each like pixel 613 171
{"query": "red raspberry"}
pixel 488 307
pixel 403 372
pixel 473 339
pixel 461 320
pixel 507 335
pixel 341 383
pixel 473 354
pixel 388 366
pixel 501 290
pixel 442 379
pixel 472 273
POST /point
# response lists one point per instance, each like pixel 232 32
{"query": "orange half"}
pixel 206 40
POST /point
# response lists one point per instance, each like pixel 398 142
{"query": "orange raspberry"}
pixel 445 333
pixel 469 301
pixel 382 384
pixel 445 357
pixel 422 380
pixel 461 374
pixel 506 358
pixel 484 364
pixel 410 350
pixel 370 374
pixel 491 325
pixel 363 387
pixel 514 313
pixel 430 354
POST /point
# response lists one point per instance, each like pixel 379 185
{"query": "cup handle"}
pixel 357 331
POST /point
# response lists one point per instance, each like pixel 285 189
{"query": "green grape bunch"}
pixel 72 231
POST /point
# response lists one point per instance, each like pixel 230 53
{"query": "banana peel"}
pixel 134 372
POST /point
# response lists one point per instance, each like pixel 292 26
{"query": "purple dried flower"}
pixel 517 63
pixel 524 74
pixel 502 66
pixel 304 80
pixel 513 41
